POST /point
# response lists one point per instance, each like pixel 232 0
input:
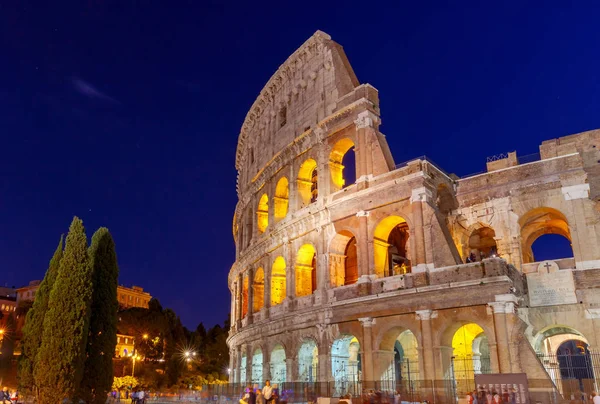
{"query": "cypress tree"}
pixel 98 372
pixel 34 322
pixel 60 360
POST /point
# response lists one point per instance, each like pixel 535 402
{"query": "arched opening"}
pixel 391 247
pixel 402 372
pixel 308 362
pixel 482 244
pixel 243 364
pixel 306 270
pixel 259 290
pixel 470 356
pixel 278 281
pixel 248 228
pixel 257 366
pixel 308 182
pixel 538 222
pixel 277 364
pixel 342 164
pixel 343 259
pixel 245 296
pixel 565 354
pixel 281 198
pixel 262 214
pixel 346 366
pixel 551 247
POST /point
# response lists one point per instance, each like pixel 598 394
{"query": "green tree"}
pixel 60 361
pixel 102 338
pixel 34 322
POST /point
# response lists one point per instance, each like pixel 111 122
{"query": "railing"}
pixel 573 373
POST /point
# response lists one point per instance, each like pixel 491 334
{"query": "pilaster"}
pixel 367 348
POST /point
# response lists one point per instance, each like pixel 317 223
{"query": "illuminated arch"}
pixel 259 290
pixel 308 361
pixel 538 222
pixel 278 365
pixel 306 270
pixel 257 366
pixel 245 296
pixel 278 281
pixel 336 157
pixel 405 364
pixel 243 365
pixel 343 259
pixel 391 247
pixel 346 365
pixel 482 243
pixel 307 182
pixel 281 198
pixel 470 355
pixel 262 214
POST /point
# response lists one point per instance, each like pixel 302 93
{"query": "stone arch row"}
pixel 479 240
pixel 397 352
pixel 313 178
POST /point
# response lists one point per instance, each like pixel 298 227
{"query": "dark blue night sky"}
pixel 126 113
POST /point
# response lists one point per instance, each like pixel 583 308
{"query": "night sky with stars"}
pixel 126 113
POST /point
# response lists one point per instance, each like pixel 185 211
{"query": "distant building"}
pixel 133 297
pixel 125 346
pixel 8 304
pixel 27 293
pixel 128 297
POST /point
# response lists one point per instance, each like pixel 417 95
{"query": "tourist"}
pixel 496 397
pixel 595 398
pixel 4 396
pixel 14 397
pixel 141 396
pixel 475 397
pixel 267 392
pixel 397 397
pixel 260 399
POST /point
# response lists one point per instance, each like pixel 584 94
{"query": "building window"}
pixel 126 340
pixel 282 117
pixel 314 189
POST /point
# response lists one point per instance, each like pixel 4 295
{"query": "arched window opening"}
pixel 482 244
pixel 277 364
pixel 281 199
pixel 342 164
pixel 551 247
pixel 404 367
pixel 278 281
pixel 307 182
pixel 346 366
pixel 282 116
pixel 538 222
pixel 243 364
pixel 470 350
pixel 343 260
pixel 262 214
pixel 391 247
pixel 565 354
pixel 306 270
pixel 308 362
pixel 248 228
pixel 257 366
pixel 245 297
pixel 259 290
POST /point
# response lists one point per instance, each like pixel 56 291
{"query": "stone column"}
pixel 293 192
pixel 324 180
pixel 583 237
pixel 419 197
pixel 248 364
pixel 266 368
pixel 250 294
pixel 233 305
pixel 503 306
pixel 362 243
pixel 239 301
pixel 425 316
pixel 290 274
pixel 365 130
pixel 322 268
pixel 267 291
pixel 291 369
pixel 367 348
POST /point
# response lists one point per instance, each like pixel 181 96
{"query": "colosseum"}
pixel 353 272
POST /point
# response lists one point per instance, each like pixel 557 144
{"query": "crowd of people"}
pixel 8 397
pixel 492 397
pixel 268 395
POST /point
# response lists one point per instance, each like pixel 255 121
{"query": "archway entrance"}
pixel 565 354
pixel 306 270
pixel 343 259
pixel 277 365
pixel 345 366
pixel 482 244
pixel 538 222
pixel 243 364
pixel 278 290
pixel 390 245
pixel 308 362
pixel 470 356
pixel 257 367
pixel 403 372
pixel 342 164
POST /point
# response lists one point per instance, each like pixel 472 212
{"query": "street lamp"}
pixel 145 336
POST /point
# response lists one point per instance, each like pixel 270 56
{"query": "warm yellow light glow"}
pixel 462 342
pixel 281 199
pixel 263 213
pixel 380 242
pixel 145 336
pixel 245 297
pixel 538 222
pixel 305 270
pixel 335 162
pixel 305 180
pixel 259 290
pixel 278 281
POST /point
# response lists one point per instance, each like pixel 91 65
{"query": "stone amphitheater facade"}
pixel 403 273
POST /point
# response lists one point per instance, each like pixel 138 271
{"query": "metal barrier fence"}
pixel 573 373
